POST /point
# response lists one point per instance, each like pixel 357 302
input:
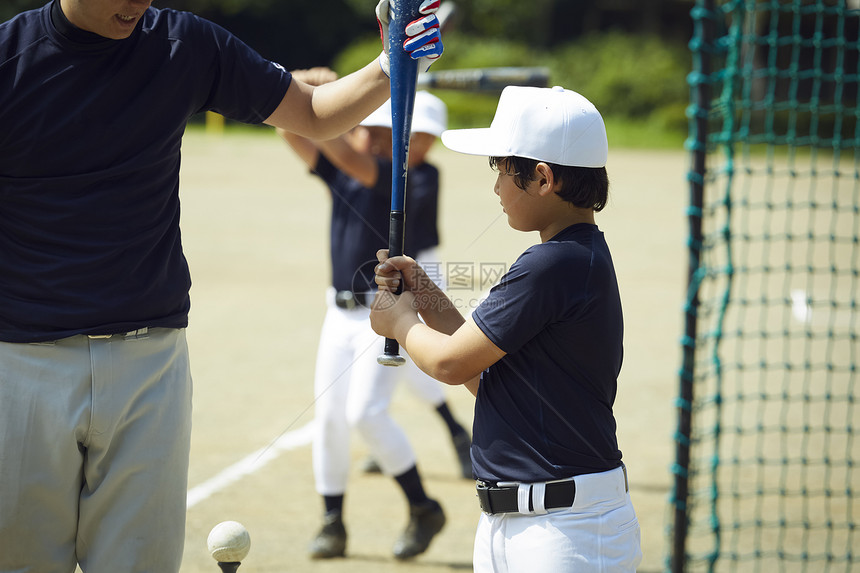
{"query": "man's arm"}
pixel 343 155
pixel 327 111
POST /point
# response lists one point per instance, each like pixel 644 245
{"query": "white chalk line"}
pixel 256 460
pixel 249 464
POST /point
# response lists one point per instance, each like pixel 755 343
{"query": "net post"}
pixel 703 40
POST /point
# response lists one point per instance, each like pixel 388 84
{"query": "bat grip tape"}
pixel 396 238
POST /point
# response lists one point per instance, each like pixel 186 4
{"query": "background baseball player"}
pixel 542 352
pixel 352 390
pixel 373 137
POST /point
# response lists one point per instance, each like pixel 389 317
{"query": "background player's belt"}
pixel 348 300
pixel 505 499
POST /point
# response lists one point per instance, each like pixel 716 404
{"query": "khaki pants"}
pixel 94 445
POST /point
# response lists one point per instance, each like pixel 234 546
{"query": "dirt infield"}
pixel 255 227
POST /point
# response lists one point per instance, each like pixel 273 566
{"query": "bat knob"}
pixel 391 360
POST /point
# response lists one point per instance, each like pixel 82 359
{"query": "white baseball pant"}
pixel 598 534
pixel 351 391
pixel 419 383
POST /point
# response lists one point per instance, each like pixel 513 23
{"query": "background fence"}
pixel 767 438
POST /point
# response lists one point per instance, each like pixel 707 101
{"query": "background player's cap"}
pixel 547 124
pixel 429 116
pixel 381 117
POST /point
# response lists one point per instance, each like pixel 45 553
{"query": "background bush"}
pixel 629 77
pixel 629 57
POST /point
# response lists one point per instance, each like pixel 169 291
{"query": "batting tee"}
pixel 767 446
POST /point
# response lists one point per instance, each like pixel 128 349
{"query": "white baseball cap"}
pixel 430 115
pixel 547 124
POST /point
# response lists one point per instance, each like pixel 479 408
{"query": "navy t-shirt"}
pixel 544 411
pixel 359 220
pixel 90 136
pixel 422 208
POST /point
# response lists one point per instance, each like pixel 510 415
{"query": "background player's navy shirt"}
pixel 544 411
pixel 359 220
pixel 422 208
pixel 90 135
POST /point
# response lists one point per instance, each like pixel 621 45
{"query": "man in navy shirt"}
pixel 95 391
pixel 541 353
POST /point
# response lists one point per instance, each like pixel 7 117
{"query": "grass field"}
pixel 255 232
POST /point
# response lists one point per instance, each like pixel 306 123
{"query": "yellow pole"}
pixel 214 123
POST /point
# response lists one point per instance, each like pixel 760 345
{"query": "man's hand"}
pixel 425 39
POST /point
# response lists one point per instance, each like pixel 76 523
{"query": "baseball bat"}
pixel 404 75
pixel 485 79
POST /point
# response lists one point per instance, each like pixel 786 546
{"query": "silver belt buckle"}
pixel 345 299
pixel 131 334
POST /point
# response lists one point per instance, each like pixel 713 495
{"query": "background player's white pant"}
pixel 599 534
pixel 94 441
pixel 353 391
pixel 422 386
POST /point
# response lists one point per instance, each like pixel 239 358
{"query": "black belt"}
pixel 496 499
pixel 348 300
pixel 139 333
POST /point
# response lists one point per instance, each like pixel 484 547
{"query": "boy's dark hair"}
pixel 585 187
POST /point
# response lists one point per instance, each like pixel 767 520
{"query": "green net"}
pixel 767 441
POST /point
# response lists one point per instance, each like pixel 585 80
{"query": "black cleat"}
pixel 463 445
pixel 425 521
pixel 331 540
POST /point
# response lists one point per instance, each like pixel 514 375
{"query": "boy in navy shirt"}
pixel 541 353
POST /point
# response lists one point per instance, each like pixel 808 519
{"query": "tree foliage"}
pixel 628 55
pixel 299 33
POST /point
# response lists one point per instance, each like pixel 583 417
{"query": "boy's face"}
pixel 419 146
pixel 114 19
pixel 379 144
pixel 380 141
pixel 359 139
pixel 519 205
